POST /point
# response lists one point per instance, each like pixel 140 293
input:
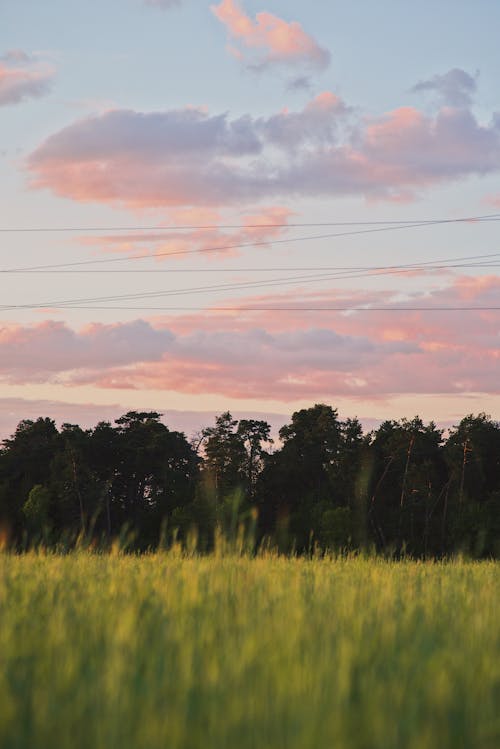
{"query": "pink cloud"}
pixel 23 77
pixel 269 40
pixel 189 158
pixel 493 200
pixel 47 350
pixel 452 143
pixel 279 355
pixel 263 226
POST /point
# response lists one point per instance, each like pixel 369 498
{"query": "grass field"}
pixel 124 652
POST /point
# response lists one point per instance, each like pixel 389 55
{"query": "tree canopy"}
pixel 404 487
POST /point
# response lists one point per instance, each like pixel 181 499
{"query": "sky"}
pixel 249 206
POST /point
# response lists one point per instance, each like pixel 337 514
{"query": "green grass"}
pixel 161 651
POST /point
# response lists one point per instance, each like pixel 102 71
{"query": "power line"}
pixel 230 270
pixel 264 243
pixel 324 273
pixel 245 285
pixel 237 286
pixel 291 309
pixel 194 227
pixel 268 269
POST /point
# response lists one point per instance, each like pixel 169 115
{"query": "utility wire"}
pixel 263 243
pixel 290 269
pixel 237 286
pixel 290 309
pixel 194 227
pixel 339 273
pixel 244 285
pixel 229 270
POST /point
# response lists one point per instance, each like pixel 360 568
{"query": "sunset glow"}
pixel 247 205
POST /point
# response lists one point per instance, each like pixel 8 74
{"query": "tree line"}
pixel 403 488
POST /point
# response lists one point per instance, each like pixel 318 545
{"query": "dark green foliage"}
pixel 314 472
pixel 25 461
pixel 96 481
pixel 36 509
pixel 409 485
pixel 225 457
pixel 403 488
